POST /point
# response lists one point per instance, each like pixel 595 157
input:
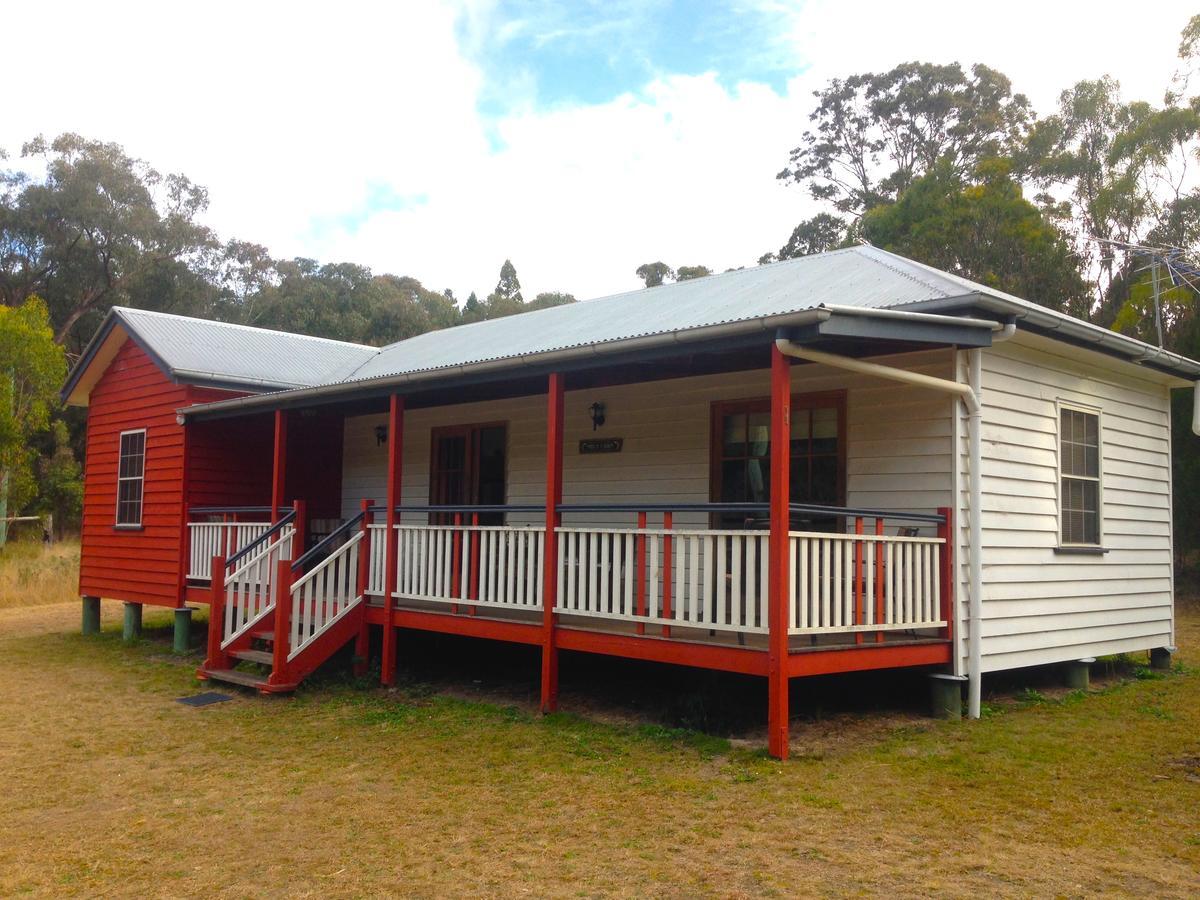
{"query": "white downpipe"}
pixel 967 393
pixel 975 569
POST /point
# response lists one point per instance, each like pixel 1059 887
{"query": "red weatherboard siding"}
pixel 138 565
pixel 230 461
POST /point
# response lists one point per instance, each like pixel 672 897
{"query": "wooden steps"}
pixel 262 657
pixel 257 680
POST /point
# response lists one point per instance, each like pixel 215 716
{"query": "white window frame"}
pixel 1096 411
pixel 140 478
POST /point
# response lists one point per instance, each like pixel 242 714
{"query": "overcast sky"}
pixel 435 140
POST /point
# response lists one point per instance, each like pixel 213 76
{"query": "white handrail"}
pixel 325 594
pixel 209 539
pixel 250 589
pixel 848 583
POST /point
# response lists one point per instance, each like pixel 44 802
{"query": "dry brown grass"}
pixel 32 574
pixel 111 788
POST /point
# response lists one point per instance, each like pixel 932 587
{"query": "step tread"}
pixel 249 679
pixel 258 656
pixel 264 635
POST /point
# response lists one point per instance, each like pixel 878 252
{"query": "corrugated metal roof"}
pixel 218 351
pixel 864 277
pixel 857 276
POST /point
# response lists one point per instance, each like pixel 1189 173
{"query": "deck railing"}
pixel 227 531
pixel 326 593
pixel 469 565
pixel 250 588
pixel 654 574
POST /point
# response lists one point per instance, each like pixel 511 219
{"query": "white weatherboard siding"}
pixel 1040 606
pixel 899 442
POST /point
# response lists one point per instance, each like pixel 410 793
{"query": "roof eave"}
pixel 1077 332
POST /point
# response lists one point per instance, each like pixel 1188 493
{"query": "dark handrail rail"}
pixel 320 546
pixel 218 510
pixel 807 509
pixel 289 516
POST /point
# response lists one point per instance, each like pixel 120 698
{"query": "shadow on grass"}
pixel 460 679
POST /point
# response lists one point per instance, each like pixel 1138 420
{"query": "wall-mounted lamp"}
pixel 380 435
pixel 597 411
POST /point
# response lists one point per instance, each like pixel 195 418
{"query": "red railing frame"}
pixel 216 657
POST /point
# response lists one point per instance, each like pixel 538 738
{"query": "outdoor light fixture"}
pixel 380 435
pixel 597 411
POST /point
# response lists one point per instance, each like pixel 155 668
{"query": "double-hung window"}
pixel 131 471
pixel 1079 472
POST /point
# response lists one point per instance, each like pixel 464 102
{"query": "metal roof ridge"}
pixel 125 311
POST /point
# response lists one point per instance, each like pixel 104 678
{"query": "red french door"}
pixel 469 467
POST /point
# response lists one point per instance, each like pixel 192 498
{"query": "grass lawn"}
pixel 111 788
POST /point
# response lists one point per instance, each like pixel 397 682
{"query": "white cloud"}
pixel 295 116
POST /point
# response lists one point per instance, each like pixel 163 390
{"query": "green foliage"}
pixel 984 230
pixel 96 225
pixel 32 367
pixel 347 302
pixel 687 273
pixel 875 134
pixel 819 234
pixel 506 299
pixel 60 480
pixel 655 273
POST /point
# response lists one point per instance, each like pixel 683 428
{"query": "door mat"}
pixel 203 699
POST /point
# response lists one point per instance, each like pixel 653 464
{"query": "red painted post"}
pixel 641 571
pixel 946 570
pixel 279 464
pixel 387 673
pixel 216 615
pixel 860 612
pixel 879 580
pixel 362 643
pixel 283 622
pixel 666 588
pixel 778 564
pixel 300 523
pixel 554 482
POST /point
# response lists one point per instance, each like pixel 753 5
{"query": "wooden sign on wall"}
pixel 601 445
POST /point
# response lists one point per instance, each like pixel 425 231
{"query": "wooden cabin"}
pixel 842 462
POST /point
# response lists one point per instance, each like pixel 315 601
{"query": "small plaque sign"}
pixel 601 445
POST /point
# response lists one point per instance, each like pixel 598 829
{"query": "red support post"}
pixel 300 523
pixel 860 611
pixel 641 570
pixel 387 673
pixel 283 622
pixel 279 464
pixel 554 482
pixel 362 643
pixel 946 569
pixel 778 570
pixel 666 586
pixel 879 580
pixel 216 615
